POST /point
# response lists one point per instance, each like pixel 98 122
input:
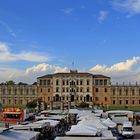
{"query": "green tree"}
pixel 10 82
pixel 83 105
pixel 21 83
pixel 31 104
pixel 35 83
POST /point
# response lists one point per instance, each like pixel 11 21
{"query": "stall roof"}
pixel 30 126
pixel 109 123
pixel 94 122
pixel 73 111
pixel 107 133
pixel 52 123
pixel 85 138
pixel 56 117
pixel 82 130
pixel 55 112
pixel 18 135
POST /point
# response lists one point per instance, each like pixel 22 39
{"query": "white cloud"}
pixel 68 10
pixel 7 55
pixel 129 6
pixel 30 74
pixel 47 68
pixel 102 16
pixel 122 66
pixel 122 71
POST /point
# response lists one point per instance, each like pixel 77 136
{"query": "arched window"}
pixel 87 98
pixel 72 98
pixel 57 97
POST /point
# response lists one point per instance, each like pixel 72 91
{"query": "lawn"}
pixel 132 108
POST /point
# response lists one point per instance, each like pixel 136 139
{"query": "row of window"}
pixel 87 98
pixel 45 82
pixel 126 91
pixel 126 102
pixel 72 89
pixel 14 101
pixel 97 99
pixel 97 90
pixel 15 92
pixel 67 82
pixel 100 82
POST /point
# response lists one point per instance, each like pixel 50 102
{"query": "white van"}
pixel 127 129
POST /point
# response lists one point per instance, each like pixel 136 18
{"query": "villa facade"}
pixel 70 89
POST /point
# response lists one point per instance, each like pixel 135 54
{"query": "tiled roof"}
pixel 72 74
pixel 100 76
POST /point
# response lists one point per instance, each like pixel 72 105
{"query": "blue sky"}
pixel 46 36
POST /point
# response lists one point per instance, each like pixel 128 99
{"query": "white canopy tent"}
pixel 73 111
pixel 94 122
pixel 107 133
pixel 85 138
pixel 109 123
pixel 51 123
pixel 81 129
pixel 18 135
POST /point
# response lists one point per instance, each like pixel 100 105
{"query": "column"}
pixel 69 102
pixel 62 104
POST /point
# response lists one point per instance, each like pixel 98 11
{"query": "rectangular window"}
pixel 133 102
pixel 67 90
pixel 105 89
pixel 126 101
pixel 77 82
pixel 40 82
pixel 63 90
pixel 114 102
pixel 120 92
pixel 87 89
pixel 77 89
pixel 96 82
pixel 126 92
pixel 101 82
pixel 48 82
pixel 67 82
pixel 48 89
pixel 63 82
pixel 105 98
pixel 81 82
pixel 41 90
pixel 87 82
pixel 96 89
pixel 105 82
pixel 57 89
pixel 120 102
pixel 57 83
